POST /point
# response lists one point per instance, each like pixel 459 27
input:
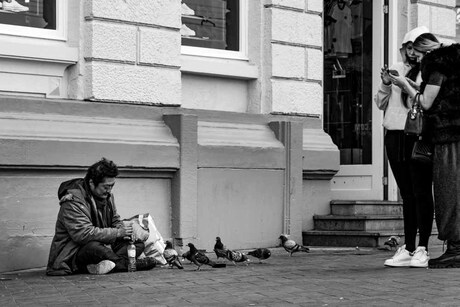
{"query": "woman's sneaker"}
pixel 402 258
pixel 420 258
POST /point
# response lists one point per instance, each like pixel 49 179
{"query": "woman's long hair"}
pixel 411 74
pixel 424 43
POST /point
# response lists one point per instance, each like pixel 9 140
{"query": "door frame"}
pixel 365 182
pixel 392 45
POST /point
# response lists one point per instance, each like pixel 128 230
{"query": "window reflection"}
pixel 348 78
pixel 210 24
pixel 29 13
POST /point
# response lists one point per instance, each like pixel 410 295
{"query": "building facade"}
pixel 239 118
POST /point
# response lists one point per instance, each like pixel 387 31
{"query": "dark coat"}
pixel 443 118
pixel 77 224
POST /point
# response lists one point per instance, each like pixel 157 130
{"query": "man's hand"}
pixel 125 231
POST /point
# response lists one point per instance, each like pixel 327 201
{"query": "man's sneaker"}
pixel 447 260
pixel 101 268
pixel 146 263
pixel 13 6
pixel 401 258
pixel 420 258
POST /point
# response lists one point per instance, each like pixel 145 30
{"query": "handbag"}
pixel 415 121
pixel 422 151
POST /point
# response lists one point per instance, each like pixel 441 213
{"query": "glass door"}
pixel 351 64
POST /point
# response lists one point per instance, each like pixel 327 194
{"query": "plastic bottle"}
pixel 131 257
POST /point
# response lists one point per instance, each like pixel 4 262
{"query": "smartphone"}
pixel 393 72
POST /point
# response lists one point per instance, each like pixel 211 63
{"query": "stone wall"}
pixel 131 50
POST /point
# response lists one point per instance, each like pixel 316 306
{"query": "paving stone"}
pixel 320 278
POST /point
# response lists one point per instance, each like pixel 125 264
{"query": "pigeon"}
pixel 261 254
pixel 199 258
pixel 291 246
pixel 235 256
pixel 219 249
pixel 393 242
pixel 186 255
pixel 171 256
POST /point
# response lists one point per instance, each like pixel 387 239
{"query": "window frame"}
pixel 59 34
pixel 242 54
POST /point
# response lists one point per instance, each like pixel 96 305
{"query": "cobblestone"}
pixel 324 277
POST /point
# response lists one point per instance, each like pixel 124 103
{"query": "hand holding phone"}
pixel 393 72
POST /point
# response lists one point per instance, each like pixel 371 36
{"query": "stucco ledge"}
pixel 321 157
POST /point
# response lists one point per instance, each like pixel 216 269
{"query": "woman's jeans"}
pixel 414 180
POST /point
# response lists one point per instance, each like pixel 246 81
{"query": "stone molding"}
pixel 321 156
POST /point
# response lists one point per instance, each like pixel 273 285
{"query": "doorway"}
pixel 353 55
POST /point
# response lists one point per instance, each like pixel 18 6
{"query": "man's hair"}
pixel 426 42
pixel 101 169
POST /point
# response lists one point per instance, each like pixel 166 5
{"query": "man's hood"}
pixel 72 188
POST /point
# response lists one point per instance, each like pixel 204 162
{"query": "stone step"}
pixel 347 238
pixel 358 222
pixel 354 207
pixel 354 238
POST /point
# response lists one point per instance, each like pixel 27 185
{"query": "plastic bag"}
pixel 154 245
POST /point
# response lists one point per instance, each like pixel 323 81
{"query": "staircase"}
pixel 357 223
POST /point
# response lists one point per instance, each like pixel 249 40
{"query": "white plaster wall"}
pixel 159 46
pixel 297 27
pixel 439 16
pixel 296 63
pixel 145 195
pixel 443 2
pixel 439 25
pixel 289 33
pixel 29 206
pixel 133 83
pixel 111 41
pixel 316 201
pixel 243 207
pixel 162 13
pixel 299 4
pixel 132 51
pixel 291 96
pixel 315 64
pixel 288 61
pixel 211 93
pixel 315 5
pixel 31 66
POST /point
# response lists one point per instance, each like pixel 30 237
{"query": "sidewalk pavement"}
pixel 324 277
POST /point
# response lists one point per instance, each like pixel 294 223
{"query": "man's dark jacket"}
pixel 78 223
pixel 444 115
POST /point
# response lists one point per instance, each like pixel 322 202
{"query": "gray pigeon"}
pixel 291 246
pixel 171 256
pixel 261 254
pixel 235 256
pixel 219 249
pixel 393 242
pixel 198 258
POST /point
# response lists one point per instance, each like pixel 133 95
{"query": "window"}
pixel 33 18
pixel 213 27
pixel 347 81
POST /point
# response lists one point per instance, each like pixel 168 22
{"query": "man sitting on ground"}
pixel 90 236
